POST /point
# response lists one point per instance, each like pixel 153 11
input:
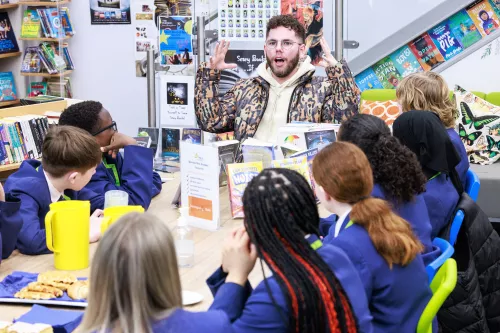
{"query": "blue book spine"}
pixel 445 40
pixel 368 80
pixel 405 61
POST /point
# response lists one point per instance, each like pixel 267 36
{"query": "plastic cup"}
pixel 115 198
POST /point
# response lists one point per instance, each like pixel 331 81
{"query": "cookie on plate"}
pixel 57 276
pixel 34 295
pixel 38 286
pixel 79 290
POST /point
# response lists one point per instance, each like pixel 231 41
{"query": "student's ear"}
pixel 322 195
pixel 72 177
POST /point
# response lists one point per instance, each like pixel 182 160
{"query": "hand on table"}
pixel 118 141
pixel 238 256
pixel 95 225
pixel 218 59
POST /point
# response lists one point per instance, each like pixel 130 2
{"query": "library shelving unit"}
pixel 60 42
pixel 6 7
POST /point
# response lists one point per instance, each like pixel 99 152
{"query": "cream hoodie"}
pixel 276 112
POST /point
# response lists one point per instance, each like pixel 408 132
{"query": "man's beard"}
pixel 285 71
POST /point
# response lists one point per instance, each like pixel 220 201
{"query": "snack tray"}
pixel 75 304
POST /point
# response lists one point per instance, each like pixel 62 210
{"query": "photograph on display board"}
pixel 464 29
pixel 177 93
pixel 8 42
pixel 426 52
pixel 247 62
pixel 386 72
pixel 405 61
pixel 484 17
pixel 241 20
pixel 109 11
pixel 176 46
pixel 445 40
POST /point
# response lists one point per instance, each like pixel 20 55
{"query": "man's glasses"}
pixel 113 126
pixel 285 44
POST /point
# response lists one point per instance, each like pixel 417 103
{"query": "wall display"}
pixel 310 14
pixel 109 11
pixel 177 101
pixel 176 47
pixel 146 34
pixel 245 19
pixel 247 61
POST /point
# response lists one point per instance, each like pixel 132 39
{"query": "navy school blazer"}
pixel 133 174
pixel 29 185
pixel 463 166
pixel 10 225
pixel 193 322
pixel 254 311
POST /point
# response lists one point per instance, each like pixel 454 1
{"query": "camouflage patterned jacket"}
pixel 315 99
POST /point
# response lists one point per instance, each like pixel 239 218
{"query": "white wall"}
pixel 478 72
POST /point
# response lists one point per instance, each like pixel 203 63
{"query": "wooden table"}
pixel 207 258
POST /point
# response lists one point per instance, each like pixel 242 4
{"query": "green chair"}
pixel 479 94
pixel 442 285
pixel 380 95
pixel 493 98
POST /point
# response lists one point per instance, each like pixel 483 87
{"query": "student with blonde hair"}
pixel 428 91
pixel 135 285
pixel 380 244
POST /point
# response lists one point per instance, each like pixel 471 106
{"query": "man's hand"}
pixel 238 256
pixel 328 59
pixel 217 61
pixel 118 141
pixel 95 225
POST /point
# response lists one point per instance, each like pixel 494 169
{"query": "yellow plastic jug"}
pixel 112 214
pixel 67 230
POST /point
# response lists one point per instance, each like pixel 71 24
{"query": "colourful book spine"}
pixel 368 80
pixel 426 52
pixel 405 61
pixel 445 40
pixel 464 29
pixel 387 73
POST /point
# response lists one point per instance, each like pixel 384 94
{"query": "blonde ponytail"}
pixel 391 235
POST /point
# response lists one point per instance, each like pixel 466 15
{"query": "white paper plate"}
pixel 190 297
pixel 44 302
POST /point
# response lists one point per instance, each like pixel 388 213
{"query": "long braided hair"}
pixel 280 210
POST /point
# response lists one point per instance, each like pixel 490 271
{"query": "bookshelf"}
pixel 44 3
pixel 10 54
pixel 8 103
pixel 43 39
pixel 62 74
pixel 9 6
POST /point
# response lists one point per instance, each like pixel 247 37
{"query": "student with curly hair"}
pixel 132 173
pixel 397 175
pixel 428 91
pixel 380 244
pixel 314 287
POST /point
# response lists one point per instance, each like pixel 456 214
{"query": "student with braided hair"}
pixel 314 287
pixel 380 244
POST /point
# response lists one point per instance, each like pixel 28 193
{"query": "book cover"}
pixel 7 87
pixel 289 149
pixel 368 80
pixel 298 164
pixel 30 27
pixel 66 22
pixel 387 73
pixel 256 151
pixel 191 135
pixel 445 40
pixel 426 52
pixel 405 61
pixel 8 42
pixel 227 155
pixel 37 88
pixel 143 141
pixel 239 175
pixel 319 139
pixel 483 16
pixel 153 133
pixel 224 136
pixel 464 29
pixel 495 4
pixel 170 138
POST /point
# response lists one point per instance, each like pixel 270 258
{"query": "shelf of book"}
pixel 9 5
pixel 43 39
pixel 45 3
pixel 10 54
pixel 8 103
pixel 9 167
pixel 65 73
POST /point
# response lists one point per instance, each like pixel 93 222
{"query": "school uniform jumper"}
pixel 254 311
pixel 415 212
pixel 29 185
pixel 463 166
pixel 133 174
pixel 10 225
pixel 397 296
pixel 193 322
pixel 441 199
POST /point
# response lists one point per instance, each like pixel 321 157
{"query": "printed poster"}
pixel 109 11
pixel 387 73
pixel 445 40
pixel 146 34
pixel 174 8
pixel 247 62
pixel 310 14
pixel 368 80
pixel 177 101
pixel 176 47
pixel 464 29
pixel 405 61
pixel 245 19
pixel 426 52
pixel 484 17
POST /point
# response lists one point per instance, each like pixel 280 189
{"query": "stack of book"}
pixel 46 22
pixel 48 57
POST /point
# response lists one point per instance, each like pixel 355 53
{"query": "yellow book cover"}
pixel 298 164
pixel 239 175
pixel 30 27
